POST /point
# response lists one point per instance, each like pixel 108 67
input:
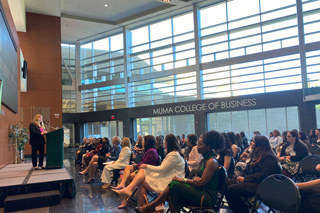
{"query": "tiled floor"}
pixel 89 197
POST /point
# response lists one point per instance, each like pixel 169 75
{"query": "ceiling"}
pixel 83 20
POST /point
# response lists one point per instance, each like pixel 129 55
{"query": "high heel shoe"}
pixel 90 181
pixel 137 209
pixel 83 173
pixel 124 204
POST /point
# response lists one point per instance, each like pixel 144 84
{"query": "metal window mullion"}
pixel 126 58
pixel 248 123
pixel 197 38
pixel 266 115
pixel 302 46
pixel 78 76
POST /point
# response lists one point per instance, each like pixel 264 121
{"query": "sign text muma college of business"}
pixel 206 106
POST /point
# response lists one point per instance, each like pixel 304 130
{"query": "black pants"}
pixel 36 148
pixel 234 193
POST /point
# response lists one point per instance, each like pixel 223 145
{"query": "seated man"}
pixel 310 195
pixel 150 157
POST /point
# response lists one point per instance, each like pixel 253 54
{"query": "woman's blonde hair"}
pixel 37 122
pixel 126 143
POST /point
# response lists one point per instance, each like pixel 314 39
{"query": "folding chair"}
pixel 221 190
pixel 278 192
pixel 307 169
pixel 313 148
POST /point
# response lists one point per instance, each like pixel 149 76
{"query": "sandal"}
pixel 105 186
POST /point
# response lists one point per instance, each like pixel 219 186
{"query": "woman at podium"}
pixel 37 131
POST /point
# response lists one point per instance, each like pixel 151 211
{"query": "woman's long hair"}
pixel 232 137
pixel 159 142
pixel 261 149
pixel 227 139
pixel 192 138
pixel 303 136
pixel 37 122
pixel 172 144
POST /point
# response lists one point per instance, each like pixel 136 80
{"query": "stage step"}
pixel 31 200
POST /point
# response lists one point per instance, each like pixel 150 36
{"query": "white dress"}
pixel 158 177
pixel 121 163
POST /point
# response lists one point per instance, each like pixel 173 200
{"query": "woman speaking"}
pixel 37 131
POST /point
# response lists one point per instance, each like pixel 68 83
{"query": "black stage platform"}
pixel 17 179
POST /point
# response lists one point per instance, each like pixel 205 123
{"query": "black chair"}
pixel 307 169
pixel 313 148
pixel 278 192
pixel 221 191
pixel 317 152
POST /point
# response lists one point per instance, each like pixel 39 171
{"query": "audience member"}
pixel 139 147
pixel 312 135
pixel 182 192
pixel 284 142
pixel 150 157
pixel 244 140
pixel 316 140
pixel 97 145
pixel 225 155
pixel 191 154
pixel 115 150
pixel 276 139
pixel 159 146
pixel 292 153
pixel 234 146
pixel 97 159
pixel 303 138
pixel 156 178
pixel 120 163
pixel 262 164
pixel 310 195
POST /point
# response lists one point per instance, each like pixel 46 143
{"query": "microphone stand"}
pixel 55 128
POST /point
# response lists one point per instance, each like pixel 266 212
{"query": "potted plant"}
pixel 18 137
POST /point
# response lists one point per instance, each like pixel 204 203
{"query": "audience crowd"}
pixel 184 170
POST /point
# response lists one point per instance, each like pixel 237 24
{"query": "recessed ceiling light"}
pixel 106 5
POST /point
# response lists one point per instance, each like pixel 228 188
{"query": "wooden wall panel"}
pixel 41 47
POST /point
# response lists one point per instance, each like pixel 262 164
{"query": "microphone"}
pixel 46 122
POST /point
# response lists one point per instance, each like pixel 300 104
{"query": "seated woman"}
pixel 81 150
pixel 86 158
pixel 156 178
pixel 192 155
pixel 181 191
pixel 121 163
pixel 292 153
pixel 149 157
pixel 234 146
pixel 262 164
pixel 95 159
pixel 308 190
pixel 159 146
pixel 226 154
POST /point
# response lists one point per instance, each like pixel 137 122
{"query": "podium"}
pixel 54 149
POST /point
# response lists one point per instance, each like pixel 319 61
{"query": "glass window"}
pixel 107 129
pixel 177 125
pixel 248 121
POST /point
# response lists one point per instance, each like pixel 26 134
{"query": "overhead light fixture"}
pixel 106 5
pixel 167 1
